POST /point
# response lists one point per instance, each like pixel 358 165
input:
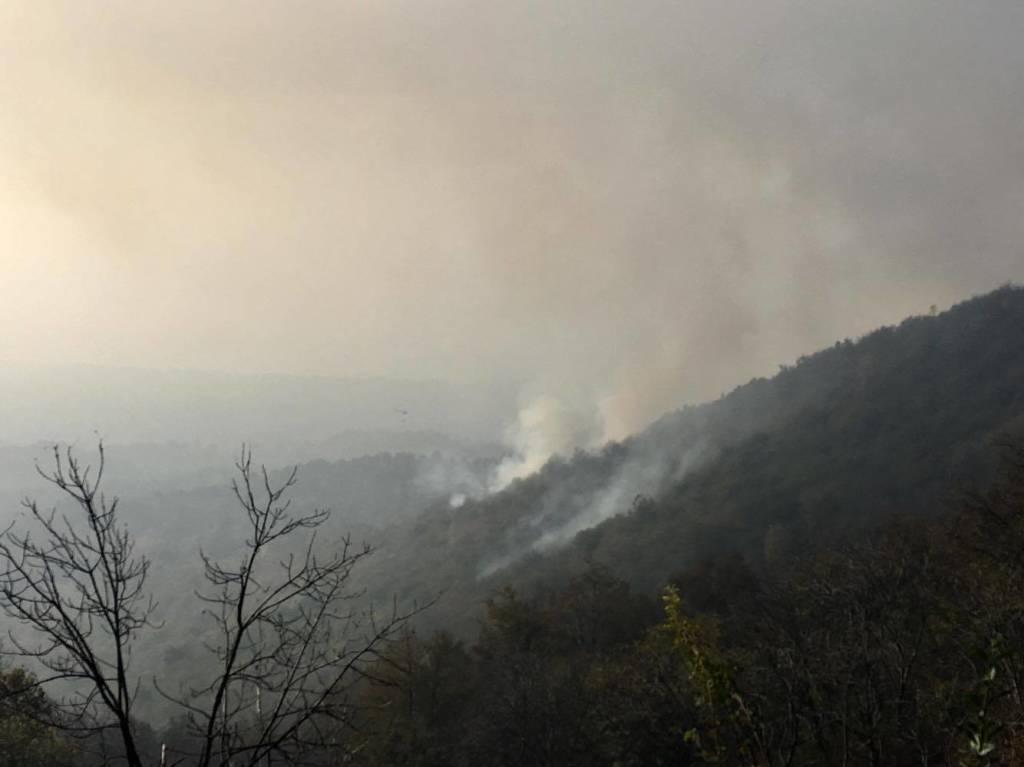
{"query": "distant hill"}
pixel 139 471
pixel 848 437
pixel 133 405
pixel 172 524
pixel 840 441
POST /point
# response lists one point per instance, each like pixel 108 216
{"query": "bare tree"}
pixel 289 642
pixel 80 590
pixel 288 636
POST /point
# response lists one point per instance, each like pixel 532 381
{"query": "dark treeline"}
pixel 903 646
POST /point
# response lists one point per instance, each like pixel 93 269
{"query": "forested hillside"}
pixel 795 573
pixel 888 425
pixel 900 646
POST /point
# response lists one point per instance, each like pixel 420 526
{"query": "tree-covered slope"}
pixel 843 439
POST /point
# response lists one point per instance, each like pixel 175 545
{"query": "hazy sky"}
pixel 647 201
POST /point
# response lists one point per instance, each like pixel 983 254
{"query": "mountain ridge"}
pixel 851 435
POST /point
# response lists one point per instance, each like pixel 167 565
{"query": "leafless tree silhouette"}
pixel 290 635
pixel 79 588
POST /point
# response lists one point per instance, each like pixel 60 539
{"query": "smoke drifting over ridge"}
pixel 544 427
pixel 642 204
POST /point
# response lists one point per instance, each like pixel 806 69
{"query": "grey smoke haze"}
pixel 640 203
pixel 295 417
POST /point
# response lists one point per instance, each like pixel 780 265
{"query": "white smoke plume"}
pixel 457 476
pixel 550 426
pixel 545 427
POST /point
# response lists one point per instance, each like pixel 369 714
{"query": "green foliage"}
pixel 980 728
pixel 26 739
pixel 709 678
